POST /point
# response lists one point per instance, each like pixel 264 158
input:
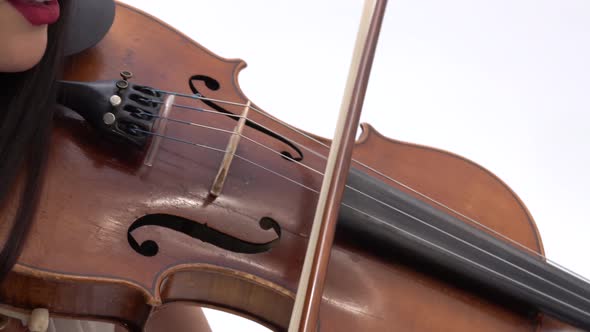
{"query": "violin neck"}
pixel 390 219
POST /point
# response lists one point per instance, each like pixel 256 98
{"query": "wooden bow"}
pixel 311 283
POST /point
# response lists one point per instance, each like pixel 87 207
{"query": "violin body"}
pixel 78 260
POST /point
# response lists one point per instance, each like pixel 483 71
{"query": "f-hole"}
pixel 201 232
pixel 213 84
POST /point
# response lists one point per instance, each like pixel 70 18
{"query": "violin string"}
pixel 242 136
pixel 192 124
pixel 199 109
pixel 471 245
pixel 356 190
pixel 179 140
pixel 400 183
pixel 470 261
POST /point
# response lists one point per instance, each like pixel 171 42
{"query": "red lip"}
pixel 38 13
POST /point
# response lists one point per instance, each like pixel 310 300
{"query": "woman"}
pixel 35 35
pixel 30 60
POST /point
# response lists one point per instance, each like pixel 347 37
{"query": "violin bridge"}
pixel 230 151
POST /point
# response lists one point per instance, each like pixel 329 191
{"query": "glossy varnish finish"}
pixel 77 261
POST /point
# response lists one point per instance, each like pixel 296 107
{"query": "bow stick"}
pixel 311 283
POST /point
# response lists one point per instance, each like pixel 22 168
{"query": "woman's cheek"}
pixel 22 45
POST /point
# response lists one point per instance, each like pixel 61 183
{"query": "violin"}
pixel 141 209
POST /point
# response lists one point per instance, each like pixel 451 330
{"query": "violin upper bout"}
pixel 448 182
pixel 137 53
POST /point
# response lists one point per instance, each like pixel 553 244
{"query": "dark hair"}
pixel 27 102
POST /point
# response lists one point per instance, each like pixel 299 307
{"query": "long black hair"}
pixel 27 102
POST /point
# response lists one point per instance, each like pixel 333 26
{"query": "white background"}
pixel 503 83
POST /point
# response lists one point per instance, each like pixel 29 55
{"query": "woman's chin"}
pixel 23 54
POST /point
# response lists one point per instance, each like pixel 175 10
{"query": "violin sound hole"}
pixel 199 231
pixel 213 85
